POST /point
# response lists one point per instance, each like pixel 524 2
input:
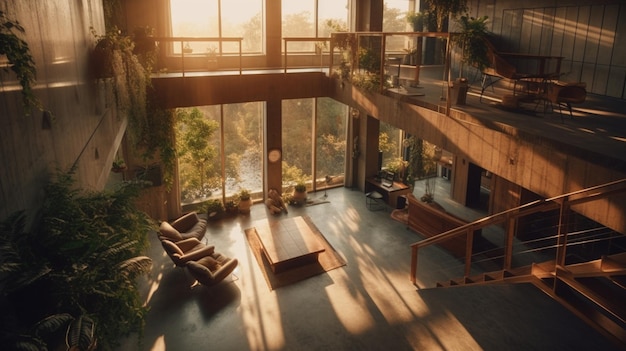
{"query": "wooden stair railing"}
pixel 509 219
pixel 594 290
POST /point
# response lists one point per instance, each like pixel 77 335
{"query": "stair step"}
pixel 608 301
pixel 583 307
pixel 607 265
pixel 614 263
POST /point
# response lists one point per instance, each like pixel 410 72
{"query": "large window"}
pixel 301 18
pixel 210 168
pixel 394 20
pixel 297 136
pixel 219 18
pixel 331 131
pixel 314 127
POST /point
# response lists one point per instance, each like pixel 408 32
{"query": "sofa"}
pixel 187 226
pixel 430 219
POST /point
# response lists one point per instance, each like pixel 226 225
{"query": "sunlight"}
pixel 159 344
pixel 153 287
pixel 351 309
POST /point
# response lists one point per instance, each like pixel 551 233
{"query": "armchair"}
pixel 185 227
pixel 186 250
pixel 212 269
pixel 566 94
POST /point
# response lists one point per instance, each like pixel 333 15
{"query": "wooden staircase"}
pixel 595 290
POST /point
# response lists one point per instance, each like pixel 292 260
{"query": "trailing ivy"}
pixel 20 59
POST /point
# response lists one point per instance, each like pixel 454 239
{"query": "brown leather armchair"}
pixel 212 269
pixel 186 250
pixel 187 226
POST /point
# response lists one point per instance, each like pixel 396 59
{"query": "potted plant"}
pixel 231 207
pixel 472 41
pixel 213 208
pixel 417 20
pixel 48 256
pixel 118 166
pixel 211 55
pixel 299 193
pixel 245 202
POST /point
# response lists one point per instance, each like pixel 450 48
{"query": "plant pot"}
pixel 244 206
pixel 458 91
pixel 298 197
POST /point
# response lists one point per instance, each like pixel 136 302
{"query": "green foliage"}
pixel 21 61
pixel 417 20
pixel 84 251
pixel 212 207
pixel 159 139
pixel 421 163
pixel 384 143
pixel 442 9
pixel 471 40
pixel 244 194
pixel 300 186
pixel 397 165
pixel 114 57
pixel 195 152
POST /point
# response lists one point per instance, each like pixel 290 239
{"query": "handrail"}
pixel 558 202
pixel 221 40
pixel 302 39
pixel 384 35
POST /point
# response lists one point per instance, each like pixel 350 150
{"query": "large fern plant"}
pixel 75 270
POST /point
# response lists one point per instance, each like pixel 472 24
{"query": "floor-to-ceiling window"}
pixel 330 148
pixel 219 151
pixel 297 137
pixel 314 142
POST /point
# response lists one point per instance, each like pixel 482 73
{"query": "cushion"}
pixel 170 232
pixel 210 263
pixel 171 248
pixel 186 222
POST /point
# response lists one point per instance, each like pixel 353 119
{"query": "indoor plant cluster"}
pixel 68 275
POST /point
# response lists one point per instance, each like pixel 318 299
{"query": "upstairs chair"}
pixel 186 250
pixel 501 66
pixel 566 94
pixel 212 269
pixel 185 227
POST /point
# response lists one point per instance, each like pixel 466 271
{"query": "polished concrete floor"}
pixel 369 304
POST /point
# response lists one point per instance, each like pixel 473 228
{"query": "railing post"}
pixel 561 244
pixel 469 247
pixel 413 264
pixel 508 241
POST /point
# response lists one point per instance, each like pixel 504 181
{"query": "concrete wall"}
pixel 588 34
pixel 84 132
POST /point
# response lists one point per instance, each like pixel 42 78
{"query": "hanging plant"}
pixel 21 61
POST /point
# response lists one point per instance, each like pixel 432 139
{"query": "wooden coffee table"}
pixel 288 243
